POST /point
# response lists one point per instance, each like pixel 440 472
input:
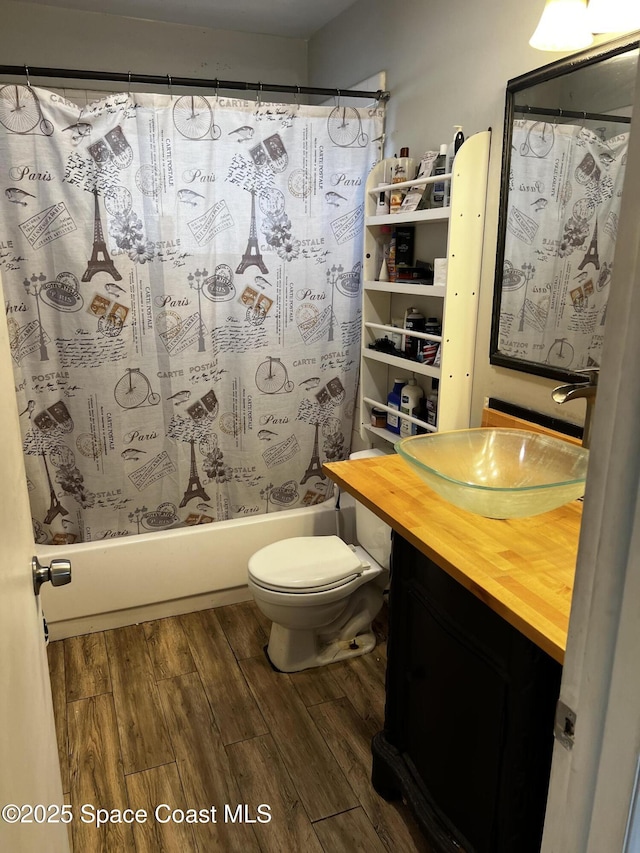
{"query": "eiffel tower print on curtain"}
pixel 194 489
pixel 252 256
pixel 100 260
pixel 314 467
pixel 591 256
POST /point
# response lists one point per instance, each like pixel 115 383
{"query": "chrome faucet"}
pixel 574 390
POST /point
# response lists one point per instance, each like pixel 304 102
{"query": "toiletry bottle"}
pixel 405 239
pixel 390 178
pixel 415 322
pixel 382 203
pixel 454 147
pixel 410 402
pixel 429 349
pixel 393 401
pixel 432 326
pixel 391 259
pixel 432 403
pixel 440 168
pixel 404 171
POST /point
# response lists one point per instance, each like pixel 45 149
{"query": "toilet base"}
pixel 294 651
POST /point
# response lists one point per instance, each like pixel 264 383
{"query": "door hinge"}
pixel 564 729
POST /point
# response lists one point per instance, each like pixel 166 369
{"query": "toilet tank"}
pixel 372 533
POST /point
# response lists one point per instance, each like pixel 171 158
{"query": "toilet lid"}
pixel 305 563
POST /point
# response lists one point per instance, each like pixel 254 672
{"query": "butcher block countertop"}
pixel 522 568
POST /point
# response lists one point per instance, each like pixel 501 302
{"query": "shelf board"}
pixel 381 432
pixel 406 288
pixel 401 363
pixel 437 214
pixel 387 435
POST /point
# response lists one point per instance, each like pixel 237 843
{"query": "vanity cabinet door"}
pixel 470 708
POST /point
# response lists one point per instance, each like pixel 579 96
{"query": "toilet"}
pixel 322 594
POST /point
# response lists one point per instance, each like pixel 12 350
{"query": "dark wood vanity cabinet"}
pixel 469 715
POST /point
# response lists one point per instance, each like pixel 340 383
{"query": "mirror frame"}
pixel 575 61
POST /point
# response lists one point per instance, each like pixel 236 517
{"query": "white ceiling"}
pixel 292 18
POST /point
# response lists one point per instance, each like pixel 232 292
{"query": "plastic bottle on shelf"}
pixel 454 147
pixel 382 203
pixel 440 168
pixel 393 401
pixel 404 170
pixel 432 326
pixel 414 321
pixel 410 403
pixel 391 258
pixel 432 403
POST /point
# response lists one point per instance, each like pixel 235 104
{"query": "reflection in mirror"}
pixel 566 139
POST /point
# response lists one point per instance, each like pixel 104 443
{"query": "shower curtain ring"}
pixel 337 97
pixel 259 95
pixel 170 87
pixel 26 71
pixel 298 96
pixel 374 106
pixel 129 87
pixel 217 88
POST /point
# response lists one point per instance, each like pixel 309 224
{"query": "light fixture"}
pixel 563 26
pixel 613 16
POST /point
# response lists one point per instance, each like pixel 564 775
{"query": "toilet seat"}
pixel 305 564
pixel 304 590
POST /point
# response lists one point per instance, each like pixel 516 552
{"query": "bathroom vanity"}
pixel 478 617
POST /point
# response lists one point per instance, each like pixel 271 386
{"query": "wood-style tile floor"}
pixel 187 712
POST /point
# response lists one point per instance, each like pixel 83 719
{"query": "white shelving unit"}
pixel 454 232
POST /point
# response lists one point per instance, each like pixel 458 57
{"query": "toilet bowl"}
pixel 321 594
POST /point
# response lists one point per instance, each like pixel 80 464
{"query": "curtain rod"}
pixel 168 80
pixel 543 111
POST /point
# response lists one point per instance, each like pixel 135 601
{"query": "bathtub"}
pixel 153 575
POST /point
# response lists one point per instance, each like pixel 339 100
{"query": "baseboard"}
pixel 145 613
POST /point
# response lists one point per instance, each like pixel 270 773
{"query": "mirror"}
pixel 565 150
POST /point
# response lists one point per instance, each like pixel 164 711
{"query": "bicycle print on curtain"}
pixel 182 282
pixel 564 203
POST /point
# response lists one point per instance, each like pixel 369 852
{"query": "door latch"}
pixel 564 729
pixel 59 573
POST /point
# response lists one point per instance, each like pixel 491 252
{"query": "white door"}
pixel 29 769
pixel 593 784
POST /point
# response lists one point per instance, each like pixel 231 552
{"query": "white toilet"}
pixel 322 594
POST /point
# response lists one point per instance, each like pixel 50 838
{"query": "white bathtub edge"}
pixel 140 577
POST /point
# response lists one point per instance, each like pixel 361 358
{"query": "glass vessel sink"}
pixel 498 473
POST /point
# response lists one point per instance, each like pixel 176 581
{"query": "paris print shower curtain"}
pixel 182 282
pixel 565 191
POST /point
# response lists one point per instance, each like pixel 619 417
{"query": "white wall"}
pixel 65 38
pixel 447 63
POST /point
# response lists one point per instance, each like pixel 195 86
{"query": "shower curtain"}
pixel 182 280
pixel 562 221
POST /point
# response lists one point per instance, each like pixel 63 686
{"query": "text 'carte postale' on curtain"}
pixel 182 281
